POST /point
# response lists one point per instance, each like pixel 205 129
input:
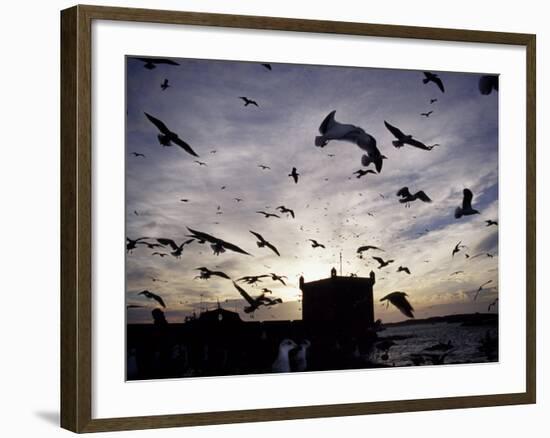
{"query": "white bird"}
pixel 299 356
pixel 282 362
pixel 330 129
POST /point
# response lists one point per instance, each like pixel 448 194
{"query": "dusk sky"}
pixel 332 206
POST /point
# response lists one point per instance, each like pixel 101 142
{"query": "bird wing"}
pixel 159 124
pixel 232 247
pixel 220 274
pixel 329 120
pixel 199 235
pixel 158 299
pixel 417 144
pixel 244 294
pixel 164 241
pixel 422 196
pixel 403 192
pixel 439 83
pixel 378 259
pixel 259 236
pixel 291 213
pixel 272 248
pixel 397 133
pixel 184 146
pixel 467 200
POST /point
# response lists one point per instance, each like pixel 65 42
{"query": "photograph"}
pixel 284 218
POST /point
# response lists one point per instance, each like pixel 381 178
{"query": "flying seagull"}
pixel 294 175
pixel 177 249
pixel 200 163
pixel 315 244
pixel 252 279
pixel 407 197
pixel 268 215
pixel 264 167
pixel 248 101
pixel 403 139
pixel 488 83
pixel 267 66
pixel 481 288
pixel 362 172
pixel 153 296
pixel 151 63
pixel 490 222
pixel 206 273
pixel 432 77
pixel 433 101
pixel 428 114
pixel 131 243
pixel 383 263
pixel 366 248
pixel 404 269
pixel 167 137
pixel 330 129
pixel 164 85
pixel 457 248
pixel 137 154
pixel 279 278
pixel 399 300
pixel 218 245
pixel 284 209
pixel 262 242
pixel 466 208
pixel 160 254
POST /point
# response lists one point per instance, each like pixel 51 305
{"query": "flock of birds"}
pixel 330 130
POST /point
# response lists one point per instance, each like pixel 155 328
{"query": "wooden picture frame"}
pixel 76 218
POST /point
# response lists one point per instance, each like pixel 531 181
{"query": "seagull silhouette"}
pixel 131 243
pixel 206 273
pixel 404 269
pixel 167 137
pixel 330 129
pixel 279 278
pixel 153 296
pixel 457 248
pixel 481 288
pixel 160 254
pixel 432 77
pixel 399 300
pixel 315 244
pixel 164 85
pixel 177 249
pixel 137 154
pixel 267 66
pixel 433 101
pixel 363 248
pixel 284 209
pixel 428 114
pixel 262 242
pixel 466 208
pixel 218 245
pixel 264 167
pixel 407 197
pixel 248 101
pixel 403 139
pixel 151 63
pixel 268 215
pixel 383 263
pixel 294 175
pixel 490 222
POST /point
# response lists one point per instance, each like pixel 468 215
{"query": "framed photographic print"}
pixel 293 204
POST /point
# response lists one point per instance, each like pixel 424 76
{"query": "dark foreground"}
pixel 222 345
